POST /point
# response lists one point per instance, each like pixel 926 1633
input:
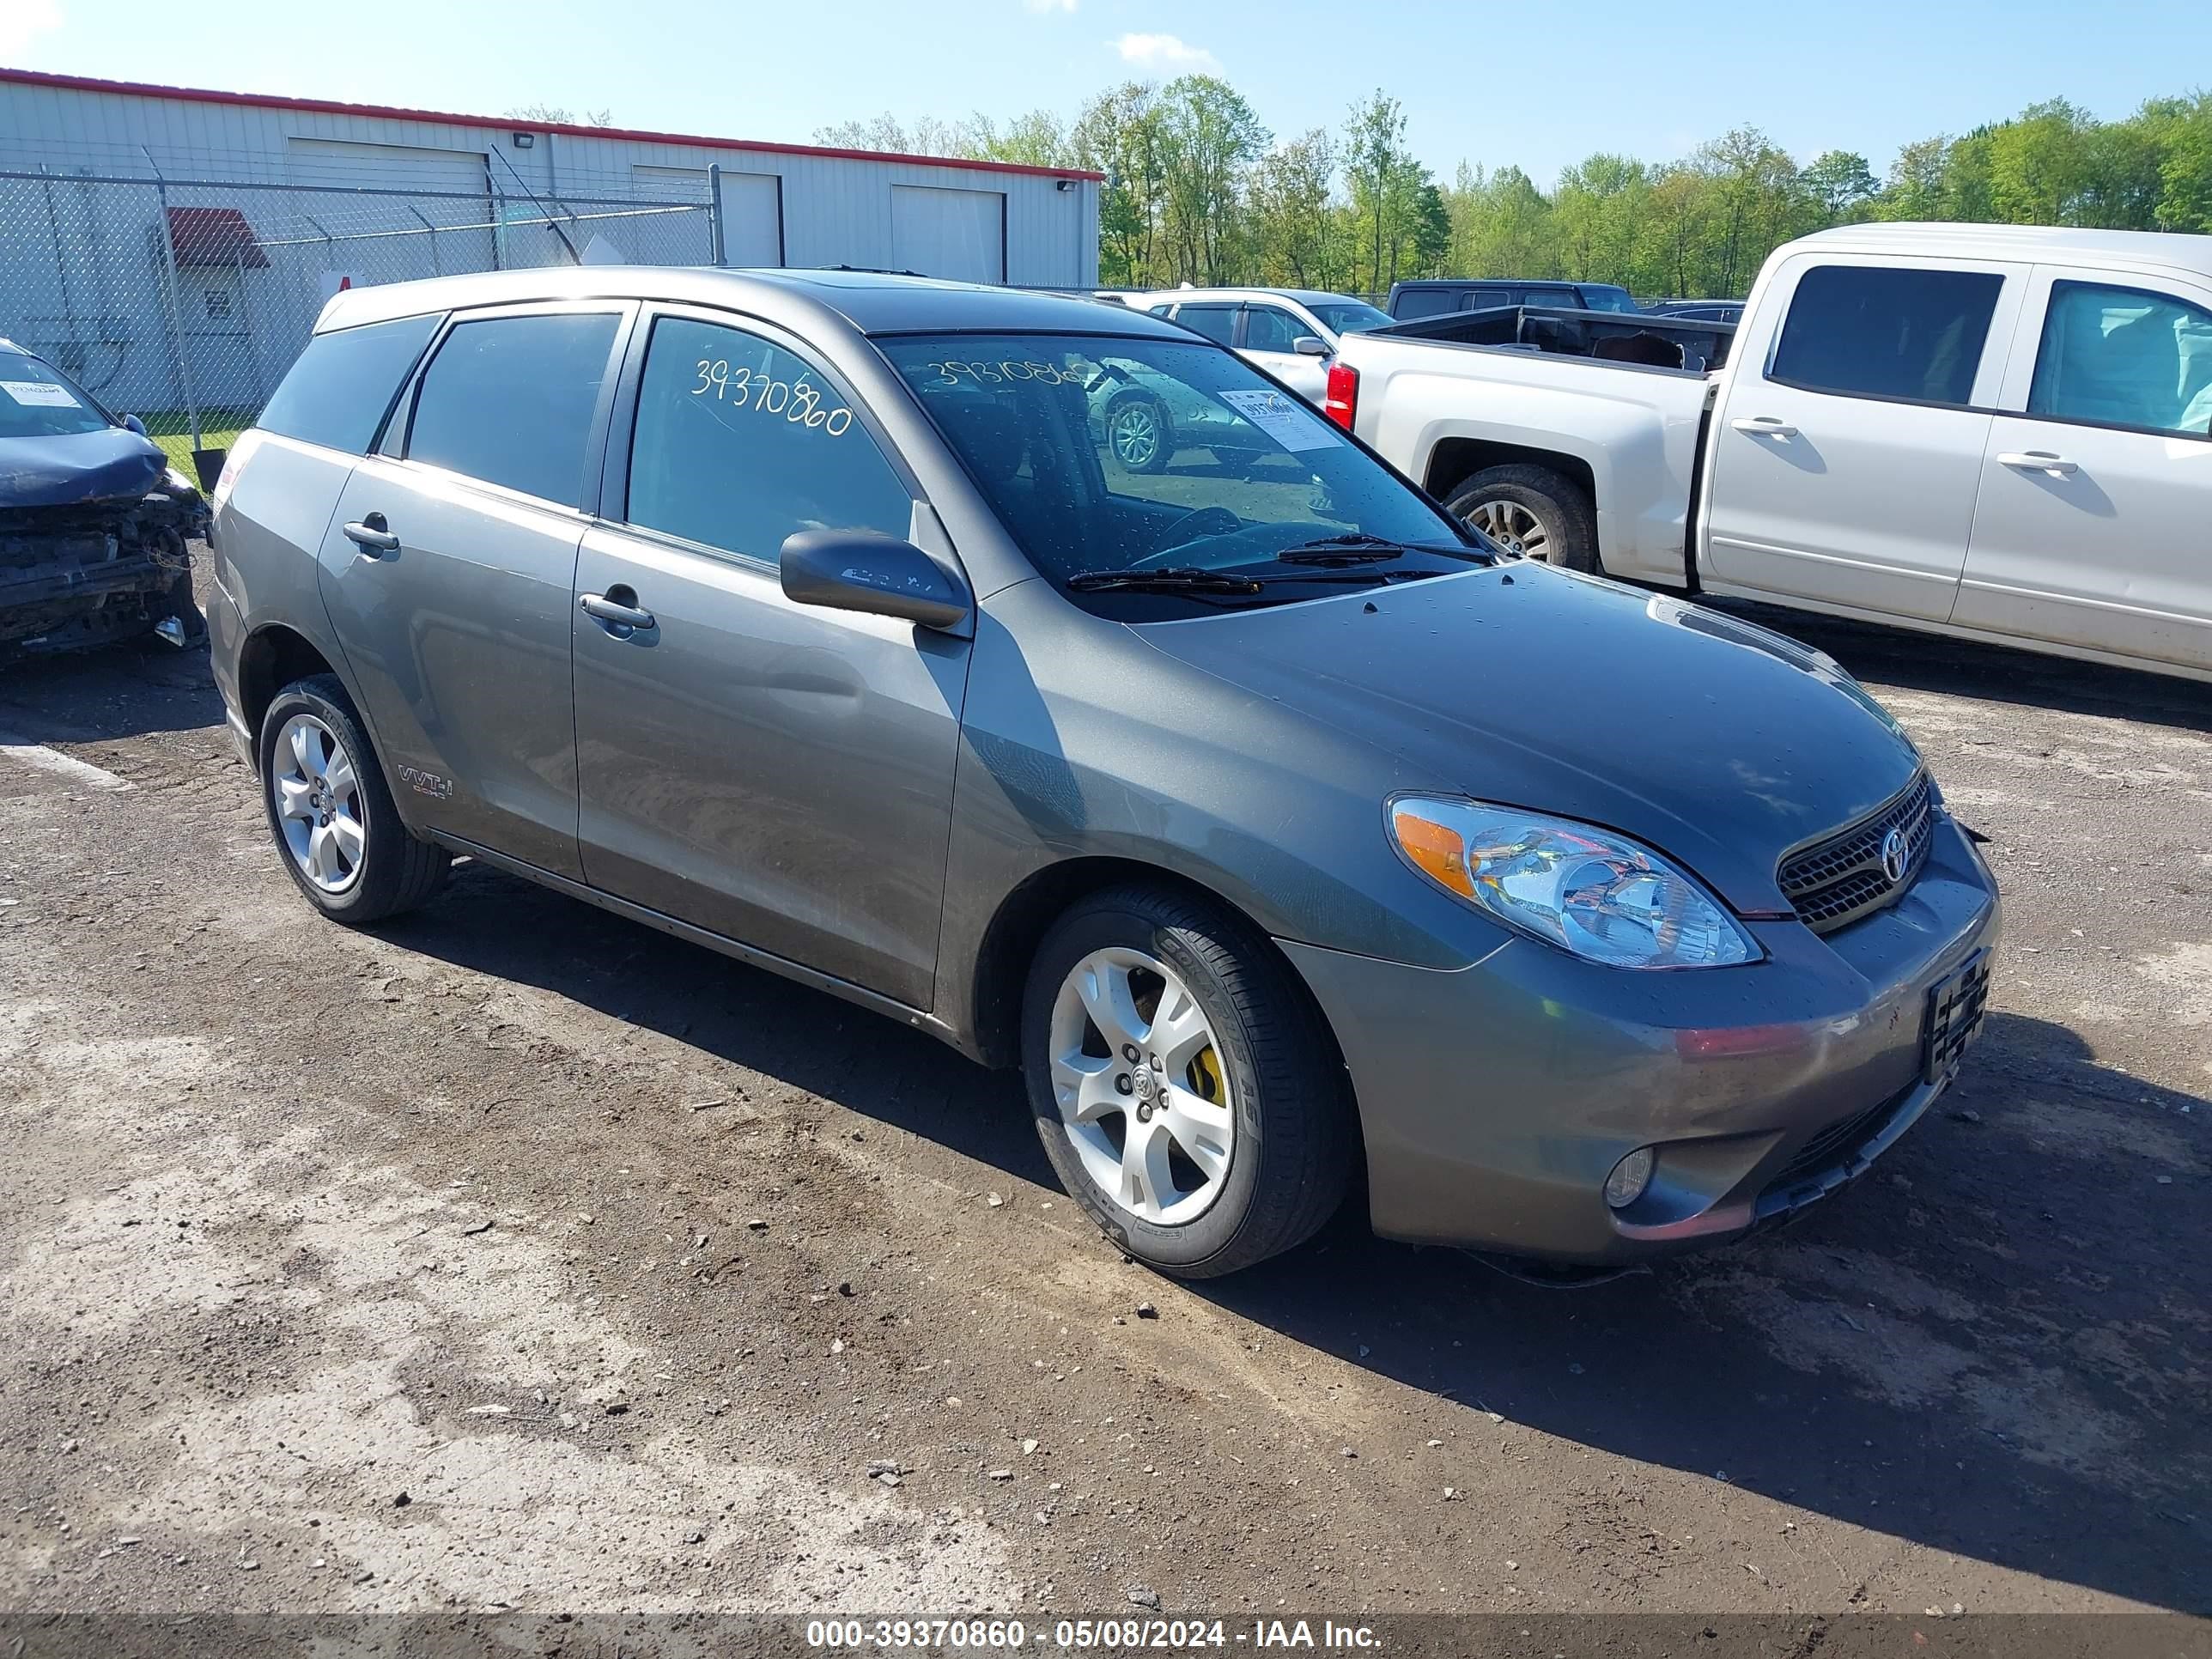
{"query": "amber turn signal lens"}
pixel 1437 850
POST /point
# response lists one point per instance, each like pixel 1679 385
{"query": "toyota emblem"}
pixel 1893 855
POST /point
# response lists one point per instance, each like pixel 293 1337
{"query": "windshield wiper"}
pixel 1178 581
pixel 1358 548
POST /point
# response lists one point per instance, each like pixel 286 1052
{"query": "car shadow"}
pixel 1992 1346
pixel 1928 662
pixel 125 691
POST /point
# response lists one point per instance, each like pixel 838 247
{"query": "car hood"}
pixel 110 465
pixel 1717 742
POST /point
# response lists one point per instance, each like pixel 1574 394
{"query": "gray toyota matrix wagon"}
pixel 1280 829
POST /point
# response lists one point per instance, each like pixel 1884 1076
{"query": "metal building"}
pixel 172 247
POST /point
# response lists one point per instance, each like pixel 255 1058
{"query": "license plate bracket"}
pixel 1957 1004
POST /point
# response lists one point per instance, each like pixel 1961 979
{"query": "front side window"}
pixel 1267 328
pixel 1884 332
pixel 338 389
pixel 510 400
pixel 1125 457
pixel 2121 356
pixel 740 444
pixel 1215 322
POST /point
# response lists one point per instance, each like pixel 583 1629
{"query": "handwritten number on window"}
pixel 799 403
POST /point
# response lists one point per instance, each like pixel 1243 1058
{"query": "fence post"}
pixel 176 325
pixel 717 248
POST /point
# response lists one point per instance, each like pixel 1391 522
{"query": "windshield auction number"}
pixel 799 403
pixel 999 373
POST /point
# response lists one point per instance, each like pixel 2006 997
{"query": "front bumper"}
pixel 1495 1099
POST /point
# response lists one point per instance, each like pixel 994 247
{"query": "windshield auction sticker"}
pixel 1284 419
pixel 40 394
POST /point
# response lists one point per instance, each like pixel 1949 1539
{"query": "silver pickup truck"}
pixel 1993 431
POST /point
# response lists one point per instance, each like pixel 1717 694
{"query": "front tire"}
pixel 331 811
pixel 1182 1083
pixel 1532 512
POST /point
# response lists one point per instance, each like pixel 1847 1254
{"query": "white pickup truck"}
pixel 1994 432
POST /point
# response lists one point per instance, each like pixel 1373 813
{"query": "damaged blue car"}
pixel 94 523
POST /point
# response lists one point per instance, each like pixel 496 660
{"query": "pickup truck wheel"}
pixel 331 813
pixel 1139 433
pixel 1533 513
pixel 1181 1083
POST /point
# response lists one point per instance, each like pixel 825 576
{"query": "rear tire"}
pixel 1532 510
pixel 1139 433
pixel 1284 1149
pixel 331 813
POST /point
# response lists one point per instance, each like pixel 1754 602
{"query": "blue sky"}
pixel 1535 84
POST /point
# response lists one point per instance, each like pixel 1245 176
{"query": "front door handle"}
pixel 372 536
pixel 612 608
pixel 1765 426
pixel 2040 460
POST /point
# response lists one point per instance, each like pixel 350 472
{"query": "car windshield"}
pixel 36 402
pixel 1349 316
pixel 1141 465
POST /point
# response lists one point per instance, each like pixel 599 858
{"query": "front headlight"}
pixel 1596 894
pixel 177 481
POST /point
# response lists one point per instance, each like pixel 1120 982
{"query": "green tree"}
pixel 1374 165
pixel 1289 199
pixel 1839 184
pixel 1209 137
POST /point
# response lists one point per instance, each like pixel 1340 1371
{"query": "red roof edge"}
pixel 515 123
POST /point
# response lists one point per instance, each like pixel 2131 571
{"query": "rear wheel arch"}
pixel 1455 461
pixel 273 657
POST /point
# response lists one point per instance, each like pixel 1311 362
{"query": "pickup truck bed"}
pixel 1580 396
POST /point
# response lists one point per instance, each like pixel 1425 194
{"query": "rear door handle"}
pixel 372 536
pixel 2040 460
pixel 614 612
pixel 1765 426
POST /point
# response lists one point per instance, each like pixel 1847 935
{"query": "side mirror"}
pixel 878 575
pixel 132 423
pixel 1310 345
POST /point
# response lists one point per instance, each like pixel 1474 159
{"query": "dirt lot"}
pixel 519 1256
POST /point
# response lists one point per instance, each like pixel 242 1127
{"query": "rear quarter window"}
pixel 1886 331
pixel 340 388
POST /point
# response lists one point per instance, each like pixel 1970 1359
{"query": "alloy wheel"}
pixel 317 796
pixel 1513 527
pixel 1142 1089
pixel 1135 435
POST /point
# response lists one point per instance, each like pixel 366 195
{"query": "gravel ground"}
pixel 517 1256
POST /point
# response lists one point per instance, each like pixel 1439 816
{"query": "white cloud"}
pixel 1046 8
pixel 22 21
pixel 1163 52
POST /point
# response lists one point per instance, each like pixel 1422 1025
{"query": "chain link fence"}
pixel 184 300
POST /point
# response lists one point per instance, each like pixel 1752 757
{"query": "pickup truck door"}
pixel 1266 342
pixel 1844 460
pixel 2097 485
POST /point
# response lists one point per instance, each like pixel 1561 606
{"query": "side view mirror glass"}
pixel 1310 345
pixel 878 575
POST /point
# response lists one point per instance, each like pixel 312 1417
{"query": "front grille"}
pixel 1841 879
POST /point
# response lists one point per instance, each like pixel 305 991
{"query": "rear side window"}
pixel 341 386
pixel 740 444
pixel 1423 302
pixel 1215 322
pixel 510 400
pixel 2123 357
pixel 1879 331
